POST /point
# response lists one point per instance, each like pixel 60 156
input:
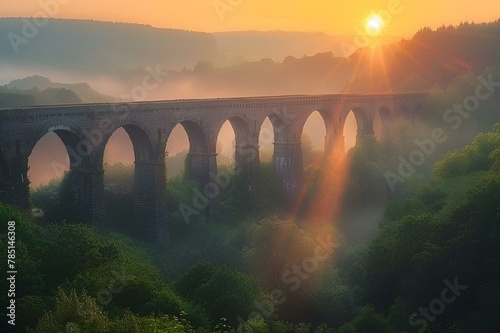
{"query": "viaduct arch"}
pixel 85 130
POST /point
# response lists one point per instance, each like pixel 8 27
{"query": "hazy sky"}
pixel 330 16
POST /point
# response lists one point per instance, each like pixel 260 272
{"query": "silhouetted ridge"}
pixel 104 47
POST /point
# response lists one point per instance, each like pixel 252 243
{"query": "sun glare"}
pixel 374 24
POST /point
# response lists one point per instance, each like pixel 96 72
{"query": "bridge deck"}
pixel 258 101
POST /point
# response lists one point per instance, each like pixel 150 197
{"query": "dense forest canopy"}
pixel 437 233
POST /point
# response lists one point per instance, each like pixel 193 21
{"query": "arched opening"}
pixel 176 152
pixel 48 161
pixel 266 141
pixel 119 175
pixel 313 140
pixel 119 162
pixel 53 188
pixel 119 148
pixel 226 146
pixel 273 131
pixel 235 147
pixel 194 163
pixel 127 183
pixel 187 164
pixel 278 158
pixel 236 163
pixel 350 131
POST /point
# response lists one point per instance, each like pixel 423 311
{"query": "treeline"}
pixel 277 45
pixel 92 47
pixel 317 74
pixel 429 58
pixel 192 66
pixel 35 96
pixel 39 90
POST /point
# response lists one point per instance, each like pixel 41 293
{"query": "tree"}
pixel 73 312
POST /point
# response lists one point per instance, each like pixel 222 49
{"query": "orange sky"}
pixel 329 16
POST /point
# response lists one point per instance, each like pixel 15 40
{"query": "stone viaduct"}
pixel 85 130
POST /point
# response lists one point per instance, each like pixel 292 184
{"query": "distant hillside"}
pixel 114 57
pixel 35 96
pixel 431 57
pixel 39 90
pixel 83 90
pixel 105 48
pixel 277 45
pixel 322 73
pixel 428 59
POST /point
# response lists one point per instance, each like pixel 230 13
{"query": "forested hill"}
pixel 200 65
pixel 101 47
pixel 277 45
pixel 39 90
pixel 431 57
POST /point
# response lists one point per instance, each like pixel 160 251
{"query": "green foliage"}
pixel 227 294
pixel 73 312
pixel 197 275
pixel 255 325
pixel 270 196
pixel 368 321
pixel 181 191
pixel 217 287
pixel 366 182
pixel 119 177
pixel 334 301
pixel 310 156
pixel 449 228
pixel 24 227
pixel 82 247
pixel 46 195
pixel 479 156
pixel 131 323
pixel 274 245
pixel 399 314
pixel 94 273
pixel 54 200
pixel 143 298
pixel 30 309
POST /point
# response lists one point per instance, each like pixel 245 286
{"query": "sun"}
pixel 374 24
